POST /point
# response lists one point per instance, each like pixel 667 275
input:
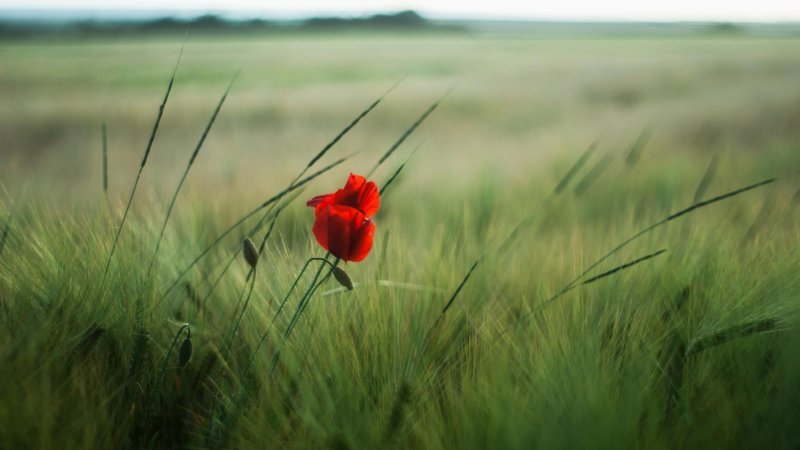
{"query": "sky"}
pixel 672 10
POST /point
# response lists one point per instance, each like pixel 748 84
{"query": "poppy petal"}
pixel 340 221
pixel 321 199
pixel 354 183
pixel 369 201
pixel 361 242
pixel 344 231
pixel 320 228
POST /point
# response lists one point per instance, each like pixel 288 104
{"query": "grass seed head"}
pixel 250 252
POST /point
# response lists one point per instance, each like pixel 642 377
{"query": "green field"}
pixel 693 348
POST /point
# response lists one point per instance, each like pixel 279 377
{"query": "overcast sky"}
pixel 714 10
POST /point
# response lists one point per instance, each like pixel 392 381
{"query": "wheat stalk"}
pixel 104 137
pixel 141 166
pixel 186 172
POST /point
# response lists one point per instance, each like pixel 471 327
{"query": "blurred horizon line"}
pixel 67 15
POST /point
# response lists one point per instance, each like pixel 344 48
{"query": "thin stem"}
pixel 460 286
pixel 277 314
pixel 186 173
pixel 669 218
pixel 576 167
pixel 104 136
pixel 300 307
pixel 571 286
pixel 241 315
pixel 243 219
pixel 163 370
pixel 406 134
pixel 239 249
pixel 306 298
pixel 562 184
pixel 6 231
pixel 141 168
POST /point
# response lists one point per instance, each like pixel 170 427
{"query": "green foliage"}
pixel 695 348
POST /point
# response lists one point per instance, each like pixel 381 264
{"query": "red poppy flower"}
pixel 343 225
pixel 358 193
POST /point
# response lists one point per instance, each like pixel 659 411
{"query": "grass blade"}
pixel 311 162
pixel 460 286
pixel 670 218
pixel 236 253
pixel 761 219
pixel 577 280
pixel 397 172
pixel 105 158
pixel 562 184
pixel 244 218
pixel 592 175
pixel 731 333
pixel 5 233
pixel 572 285
pixel 623 267
pixel 708 177
pixel 319 155
pixel 305 299
pixel 142 165
pixel 406 134
pixel 347 129
pixel 637 148
pixel 186 172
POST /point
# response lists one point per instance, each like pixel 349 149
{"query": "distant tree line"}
pixel 404 20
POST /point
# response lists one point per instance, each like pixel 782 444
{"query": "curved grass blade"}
pixel 5 233
pixel 572 286
pixel 236 253
pixel 731 333
pixel 186 172
pixel 562 184
pixel 637 148
pixel 460 286
pixel 407 133
pixel 623 267
pixel 592 175
pixel 250 214
pixel 311 162
pixel 708 177
pixel 576 167
pixel 104 137
pixel 670 218
pixel 142 165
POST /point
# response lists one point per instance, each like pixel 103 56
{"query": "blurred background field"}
pixel 675 118
pixel 518 103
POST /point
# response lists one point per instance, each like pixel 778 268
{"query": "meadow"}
pixel 497 307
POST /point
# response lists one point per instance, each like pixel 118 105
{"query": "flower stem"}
pixel 302 305
pixel 164 363
pixel 309 292
pixel 241 315
pixel 275 317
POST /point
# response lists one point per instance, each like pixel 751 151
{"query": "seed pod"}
pixel 250 252
pixel 185 353
pixel 342 277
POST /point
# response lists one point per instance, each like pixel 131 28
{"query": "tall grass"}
pixel 104 139
pixel 192 159
pixel 693 348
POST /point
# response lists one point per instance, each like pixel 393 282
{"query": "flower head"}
pixel 358 193
pixel 343 222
